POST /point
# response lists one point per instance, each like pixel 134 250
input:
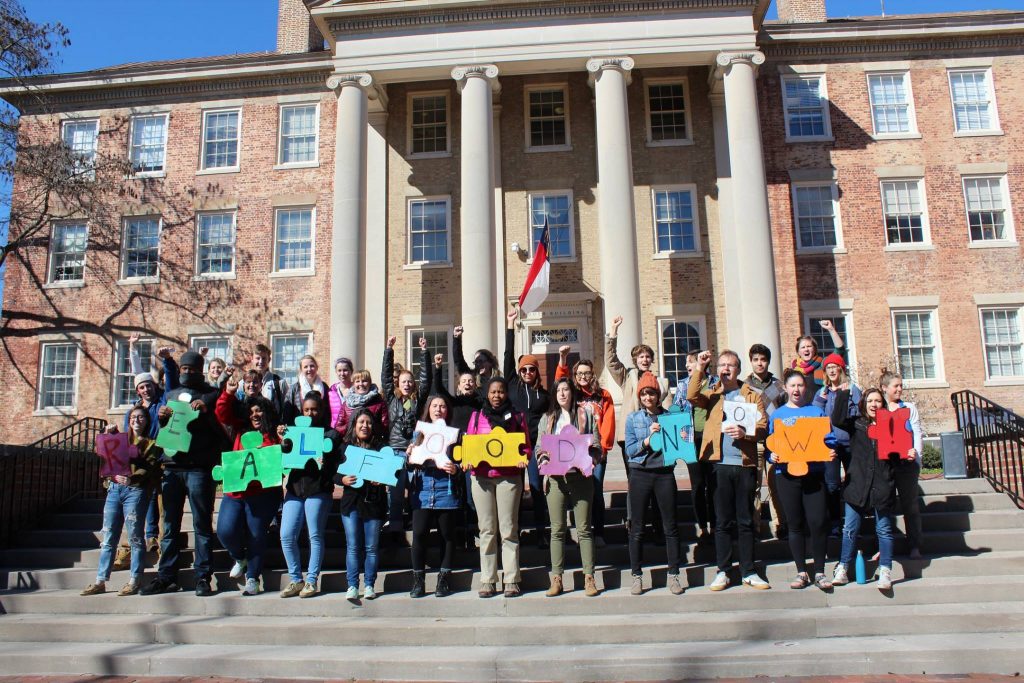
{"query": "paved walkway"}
pixel 941 678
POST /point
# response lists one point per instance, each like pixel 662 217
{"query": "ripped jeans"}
pixel 125 506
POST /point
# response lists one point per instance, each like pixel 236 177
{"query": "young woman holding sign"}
pixel 907 470
pixel 572 491
pixel 836 378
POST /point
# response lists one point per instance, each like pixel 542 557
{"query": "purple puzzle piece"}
pixel 567 450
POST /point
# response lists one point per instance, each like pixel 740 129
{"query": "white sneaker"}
pixel 884 578
pixel 839 576
pixel 238 570
pixel 755 581
pixel 252 587
pixel 720 582
pixel 352 593
pixel 368 593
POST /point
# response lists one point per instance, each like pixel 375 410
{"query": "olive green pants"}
pixel 571 492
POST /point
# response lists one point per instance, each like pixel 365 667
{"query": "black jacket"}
pixel 531 402
pixel 869 481
pixel 208 438
pixel 370 500
pixel 313 480
pixel 403 421
pixel 463 407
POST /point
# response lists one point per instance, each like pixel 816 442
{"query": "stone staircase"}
pixel 959 609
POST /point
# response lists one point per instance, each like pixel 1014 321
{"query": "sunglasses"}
pixel 527 369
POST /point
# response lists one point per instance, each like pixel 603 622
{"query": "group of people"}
pixel 732 463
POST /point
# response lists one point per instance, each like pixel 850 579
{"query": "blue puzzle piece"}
pixel 670 441
pixel 380 466
pixel 308 443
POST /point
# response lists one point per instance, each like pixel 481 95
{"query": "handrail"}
pixel 994 441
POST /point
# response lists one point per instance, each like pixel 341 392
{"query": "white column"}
pixel 728 244
pixel 477 84
pixel 751 237
pixel 375 308
pixel 616 217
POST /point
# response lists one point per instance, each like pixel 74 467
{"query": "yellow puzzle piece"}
pixel 497 449
pixel 800 443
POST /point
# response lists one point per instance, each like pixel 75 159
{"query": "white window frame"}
pixel 139 279
pixel 409 201
pixel 939 381
pixel 913 132
pixel 412 336
pixel 281 163
pixel 811 314
pixel 88 167
pixel 547 87
pixel 195 342
pixel 51 265
pixel 114 374
pixel 826 136
pixel 419 94
pixel 1007 380
pixel 839 247
pixel 995 128
pixel 1009 233
pixel 42 411
pixel 291 333
pixel 699 321
pixel 231 274
pixel 293 272
pixel 162 172
pixel 572 224
pixel 697 251
pixel 203 168
pixel 926 233
pixel 683 81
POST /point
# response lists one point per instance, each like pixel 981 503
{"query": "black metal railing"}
pixel 994 441
pixel 38 478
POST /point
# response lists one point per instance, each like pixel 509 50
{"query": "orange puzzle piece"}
pixel 801 443
pixel 891 433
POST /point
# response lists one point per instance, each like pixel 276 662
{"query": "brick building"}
pixel 388 168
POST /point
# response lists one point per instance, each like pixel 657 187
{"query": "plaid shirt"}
pixel 771 391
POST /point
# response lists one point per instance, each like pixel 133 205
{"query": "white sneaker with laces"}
pixel 352 593
pixel 884 578
pixel 720 582
pixel 252 587
pixel 368 593
pixel 839 576
pixel 238 570
pixel 755 581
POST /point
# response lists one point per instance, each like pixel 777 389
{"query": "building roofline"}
pixel 867 27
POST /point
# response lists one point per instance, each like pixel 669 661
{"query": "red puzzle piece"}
pixel 891 432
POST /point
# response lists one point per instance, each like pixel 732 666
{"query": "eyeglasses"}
pixel 584 374
pixel 527 369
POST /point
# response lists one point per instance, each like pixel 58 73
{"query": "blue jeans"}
pixel 242 526
pixel 883 529
pixel 198 487
pixel 153 518
pixel 361 539
pixel 597 507
pixel 313 511
pixel 125 506
pixel 540 504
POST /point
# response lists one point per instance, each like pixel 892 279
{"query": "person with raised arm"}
pixel 809 362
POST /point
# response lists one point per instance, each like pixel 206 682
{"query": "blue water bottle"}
pixel 861 570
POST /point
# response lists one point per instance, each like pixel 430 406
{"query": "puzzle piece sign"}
pixel 670 440
pixel 497 449
pixel 891 433
pixel 255 462
pixel 800 443
pixel 380 466
pixel 567 450
pixel 308 443
pixel 174 436
pixel 741 414
pixel 437 437
pixel 117 452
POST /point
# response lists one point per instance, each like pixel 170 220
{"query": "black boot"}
pixel 443 588
pixel 418 587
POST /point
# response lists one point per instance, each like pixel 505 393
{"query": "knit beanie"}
pixel 192 359
pixel 648 381
pixel 833 359
pixel 528 359
pixel 143 377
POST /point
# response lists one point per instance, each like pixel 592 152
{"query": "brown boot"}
pixel 556 586
pixel 122 559
pixel 590 586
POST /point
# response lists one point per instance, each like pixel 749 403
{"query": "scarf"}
pixel 354 400
pixel 811 369
pixel 501 416
pixel 317 385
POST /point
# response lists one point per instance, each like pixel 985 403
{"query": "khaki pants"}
pixel 497 510
pixel 573 492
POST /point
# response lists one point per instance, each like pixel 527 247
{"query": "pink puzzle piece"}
pixel 117 452
pixel 567 450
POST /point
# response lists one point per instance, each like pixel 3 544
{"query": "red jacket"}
pixel 227 416
pixel 603 405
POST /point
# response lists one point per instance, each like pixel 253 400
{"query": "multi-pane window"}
pixel 892 111
pixel 986 209
pixel 141 250
pixel 67 252
pixel 124 379
pixel 148 143
pixel 678 338
pixel 675 222
pixel 216 347
pixel 973 105
pixel 904 210
pixel 437 342
pixel 821 336
pixel 215 243
pixel 294 239
pixel 220 138
pixel 81 137
pixel 916 347
pixel 547 118
pixel 1001 336
pixel 666 106
pixel 58 376
pixel 428 124
pixel 428 231
pixel 287 350
pixel 299 126
pixel 554 210
pixel 805 105
pixel 815 210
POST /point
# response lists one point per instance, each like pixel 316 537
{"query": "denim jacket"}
pixel 431 488
pixel 638 428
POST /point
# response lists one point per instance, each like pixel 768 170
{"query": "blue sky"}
pixel 108 32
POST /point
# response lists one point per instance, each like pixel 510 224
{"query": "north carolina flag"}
pixel 537 280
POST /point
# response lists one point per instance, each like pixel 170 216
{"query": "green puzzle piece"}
pixel 308 443
pixel 255 463
pixel 174 436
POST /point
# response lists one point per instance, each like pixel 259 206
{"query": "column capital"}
pixel 725 60
pixel 362 80
pixel 595 65
pixel 488 72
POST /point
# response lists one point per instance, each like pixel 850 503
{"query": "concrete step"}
pixel 492 661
